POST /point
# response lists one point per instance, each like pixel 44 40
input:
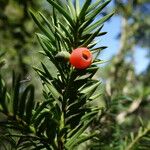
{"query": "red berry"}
pixel 81 58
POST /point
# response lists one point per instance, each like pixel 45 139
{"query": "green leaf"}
pixel 46 50
pixel 41 74
pixel 83 77
pixel 47 22
pixel 10 141
pixel 51 129
pixel 77 115
pixel 62 36
pixel 71 141
pixel 102 33
pixel 97 10
pixel 83 10
pixel 92 69
pixel 73 107
pixel 88 89
pixel 97 62
pixel 39 109
pixel 90 18
pixel 62 11
pixel 46 43
pixel 43 37
pixel 77 5
pixel 98 23
pixel 10 125
pixel 42 28
pixel 141 139
pixel 73 131
pixel 40 117
pixel 56 95
pixel 50 77
pixel 88 35
pixel 42 126
pixel 52 58
pixel 30 104
pixel 84 139
pixel 98 49
pixel 72 10
pixel 93 44
pixel 89 115
pixel 23 101
pixel 68 34
pixel 93 6
pixel 90 39
pixel 95 96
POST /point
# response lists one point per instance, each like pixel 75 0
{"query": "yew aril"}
pixel 81 58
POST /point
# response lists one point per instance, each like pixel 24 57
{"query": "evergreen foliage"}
pixel 73 113
pixel 61 120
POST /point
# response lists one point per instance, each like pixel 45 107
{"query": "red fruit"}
pixel 81 58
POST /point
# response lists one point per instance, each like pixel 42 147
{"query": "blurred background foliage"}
pixel 127 93
pixel 18 43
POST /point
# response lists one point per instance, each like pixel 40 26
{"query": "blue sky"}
pixel 113 28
